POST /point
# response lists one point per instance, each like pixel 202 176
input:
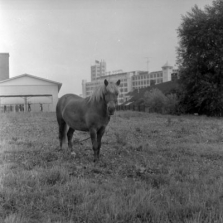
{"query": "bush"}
pixel 156 100
pixel 159 103
pixel 172 104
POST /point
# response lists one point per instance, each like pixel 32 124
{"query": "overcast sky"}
pixel 61 39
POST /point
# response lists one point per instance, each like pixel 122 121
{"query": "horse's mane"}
pixel 99 91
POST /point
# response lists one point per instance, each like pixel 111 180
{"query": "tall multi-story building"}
pixel 124 88
pixel 98 70
pixel 130 80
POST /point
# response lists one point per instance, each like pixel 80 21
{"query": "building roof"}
pixel 4 54
pixel 35 77
pixel 167 65
pixel 117 74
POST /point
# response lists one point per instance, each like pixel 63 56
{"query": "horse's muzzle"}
pixel 111 111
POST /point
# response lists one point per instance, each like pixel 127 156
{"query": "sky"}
pixel 61 39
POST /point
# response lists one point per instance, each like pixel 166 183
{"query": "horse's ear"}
pixel 106 82
pixel 118 82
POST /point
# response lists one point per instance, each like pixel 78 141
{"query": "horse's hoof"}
pixel 59 149
pixel 96 160
pixel 73 154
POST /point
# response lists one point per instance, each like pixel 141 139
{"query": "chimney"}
pixel 4 66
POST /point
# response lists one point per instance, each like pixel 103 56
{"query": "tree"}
pixel 200 59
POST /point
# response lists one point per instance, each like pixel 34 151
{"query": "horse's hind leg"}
pixel 69 137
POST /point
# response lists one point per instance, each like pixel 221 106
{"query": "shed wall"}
pixel 30 90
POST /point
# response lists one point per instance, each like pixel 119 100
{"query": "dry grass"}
pixel 153 168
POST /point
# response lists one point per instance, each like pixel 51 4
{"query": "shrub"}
pixel 156 100
pixel 172 104
pixel 159 103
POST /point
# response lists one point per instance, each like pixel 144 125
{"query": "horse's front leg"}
pixel 93 134
pixel 100 133
pixel 69 138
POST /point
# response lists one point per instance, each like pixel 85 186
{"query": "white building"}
pixel 130 81
pixel 26 92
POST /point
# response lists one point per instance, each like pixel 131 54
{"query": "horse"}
pixel 91 114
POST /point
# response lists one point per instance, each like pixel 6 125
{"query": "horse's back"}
pixel 65 100
pixel 70 96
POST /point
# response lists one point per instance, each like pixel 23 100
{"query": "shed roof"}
pixel 35 77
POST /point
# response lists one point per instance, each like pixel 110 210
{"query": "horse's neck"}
pixel 101 107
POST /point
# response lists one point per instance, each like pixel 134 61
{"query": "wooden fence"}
pixel 34 107
pixel 141 108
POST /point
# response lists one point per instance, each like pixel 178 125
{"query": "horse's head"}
pixel 111 96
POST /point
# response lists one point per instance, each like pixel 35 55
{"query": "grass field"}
pixel 152 168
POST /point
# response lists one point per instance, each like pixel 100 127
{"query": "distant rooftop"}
pixel 167 65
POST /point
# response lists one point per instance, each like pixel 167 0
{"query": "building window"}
pixel 152 82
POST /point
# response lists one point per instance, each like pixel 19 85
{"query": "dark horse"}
pixel 90 114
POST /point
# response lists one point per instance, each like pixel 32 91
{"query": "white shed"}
pixel 28 93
